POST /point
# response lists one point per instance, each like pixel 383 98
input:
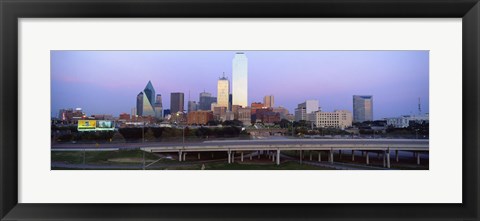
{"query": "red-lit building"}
pixel 199 117
pixel 267 116
pixel 124 116
pixel 255 106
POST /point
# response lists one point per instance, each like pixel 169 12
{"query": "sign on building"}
pixel 95 125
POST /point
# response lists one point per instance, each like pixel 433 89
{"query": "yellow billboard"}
pixel 87 125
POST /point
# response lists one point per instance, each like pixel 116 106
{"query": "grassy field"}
pixel 102 157
pixel 135 158
pixel 244 166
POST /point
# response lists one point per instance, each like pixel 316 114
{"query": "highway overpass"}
pixel 273 148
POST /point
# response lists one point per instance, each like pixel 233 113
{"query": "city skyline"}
pixel 86 78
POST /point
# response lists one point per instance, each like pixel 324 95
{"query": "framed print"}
pixel 147 110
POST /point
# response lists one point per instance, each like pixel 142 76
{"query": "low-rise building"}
pixel 244 115
pixel 405 120
pixel 336 119
pixel 268 117
pixel 124 116
pixel 304 109
pixel 283 112
pixel 199 117
pixel 255 106
pixel 102 116
pixel 220 113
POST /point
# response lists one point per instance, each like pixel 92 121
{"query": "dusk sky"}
pixel 107 82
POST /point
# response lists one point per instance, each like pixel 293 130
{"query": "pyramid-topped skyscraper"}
pixel 145 101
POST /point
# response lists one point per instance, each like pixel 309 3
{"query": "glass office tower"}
pixel 362 108
pixel 177 102
pixel 145 101
pixel 240 80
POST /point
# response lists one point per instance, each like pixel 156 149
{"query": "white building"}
pixel 405 120
pixel 213 106
pixel 304 109
pixel 336 119
pixel 240 80
pixel 223 91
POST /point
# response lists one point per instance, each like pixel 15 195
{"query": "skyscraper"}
pixel 223 90
pixel 139 109
pixel 150 92
pixel 158 107
pixel 269 101
pixel 145 101
pixel 177 102
pixel 362 108
pixel 206 100
pixel 158 101
pixel 240 79
pixel 192 106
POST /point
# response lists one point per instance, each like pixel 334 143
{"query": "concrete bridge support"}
pixel 278 157
pixel 388 158
pixel 384 159
pixel 319 156
pixel 229 157
pixel 331 156
pixel 180 155
pixel 353 155
pixel 367 157
pixel 310 155
pixel 418 158
pixel 241 156
pixel 199 156
pixel 396 156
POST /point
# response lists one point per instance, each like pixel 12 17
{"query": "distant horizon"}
pixel 107 82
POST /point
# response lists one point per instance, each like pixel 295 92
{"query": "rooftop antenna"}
pixel 419 107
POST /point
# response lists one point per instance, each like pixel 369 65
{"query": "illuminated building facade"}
pixel 223 89
pixel 240 79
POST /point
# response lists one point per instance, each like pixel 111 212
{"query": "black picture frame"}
pixel 12 10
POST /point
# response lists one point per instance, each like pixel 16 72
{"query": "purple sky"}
pixel 107 82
